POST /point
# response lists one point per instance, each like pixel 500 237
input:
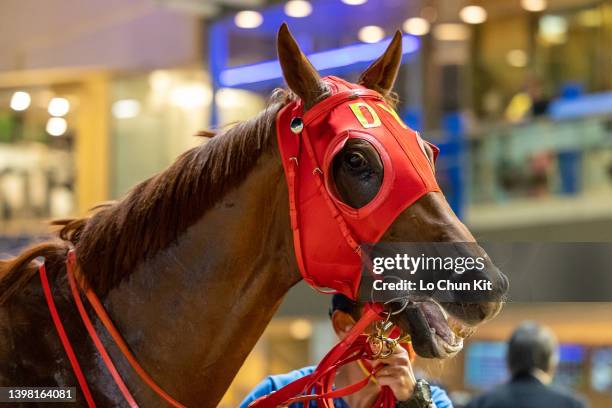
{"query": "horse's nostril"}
pixel 505 283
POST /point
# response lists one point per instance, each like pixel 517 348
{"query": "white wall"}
pixel 117 34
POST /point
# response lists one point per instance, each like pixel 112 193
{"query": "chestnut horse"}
pixel 192 263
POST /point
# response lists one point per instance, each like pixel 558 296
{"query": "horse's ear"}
pixel 301 77
pixel 381 75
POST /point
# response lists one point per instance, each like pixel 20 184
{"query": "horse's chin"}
pixel 434 333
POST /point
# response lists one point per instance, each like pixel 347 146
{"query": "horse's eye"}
pixel 356 160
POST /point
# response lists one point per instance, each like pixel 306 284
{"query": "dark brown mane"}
pixel 119 235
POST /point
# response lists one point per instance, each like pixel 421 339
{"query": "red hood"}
pixel 327 232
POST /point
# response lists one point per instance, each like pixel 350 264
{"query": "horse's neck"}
pixel 192 314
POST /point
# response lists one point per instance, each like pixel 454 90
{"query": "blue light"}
pixel 585 105
pixel 571 353
pixel 325 60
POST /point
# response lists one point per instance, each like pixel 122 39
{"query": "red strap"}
pixel 292 169
pixel 94 336
pixel 123 347
pixel 319 384
pixel 346 231
pixel 338 393
pixel 74 362
pixel 292 178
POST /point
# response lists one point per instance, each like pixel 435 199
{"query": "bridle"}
pixel 327 232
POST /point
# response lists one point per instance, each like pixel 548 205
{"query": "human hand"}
pixel 397 374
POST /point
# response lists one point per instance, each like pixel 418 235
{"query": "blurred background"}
pixel 98 95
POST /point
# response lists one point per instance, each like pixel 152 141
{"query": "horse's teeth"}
pixel 443 312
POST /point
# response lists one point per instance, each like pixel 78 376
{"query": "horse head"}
pixel 380 177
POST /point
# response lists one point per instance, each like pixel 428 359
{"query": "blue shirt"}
pixel 275 382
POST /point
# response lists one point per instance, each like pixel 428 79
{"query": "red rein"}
pixel 110 327
pixel 316 386
pixel 319 385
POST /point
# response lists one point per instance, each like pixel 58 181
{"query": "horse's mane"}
pixel 117 236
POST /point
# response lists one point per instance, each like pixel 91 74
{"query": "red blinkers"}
pixel 327 232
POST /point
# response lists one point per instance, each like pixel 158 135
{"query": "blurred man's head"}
pixel 532 349
pixel 343 313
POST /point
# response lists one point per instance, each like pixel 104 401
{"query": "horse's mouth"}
pixel 434 333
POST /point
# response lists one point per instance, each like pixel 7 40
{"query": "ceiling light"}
pixel 20 101
pixel 451 32
pixel 371 34
pixel 298 8
pixel 473 14
pixel 517 58
pixel 533 5
pixel 56 126
pixel 58 107
pixel 323 60
pixel 416 26
pixel 126 108
pixel 248 19
pixel 354 2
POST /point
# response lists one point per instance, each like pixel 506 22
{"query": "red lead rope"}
pixel 318 386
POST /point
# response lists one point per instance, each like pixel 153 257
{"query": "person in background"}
pixel 532 360
pixel 397 373
pixel 531 102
